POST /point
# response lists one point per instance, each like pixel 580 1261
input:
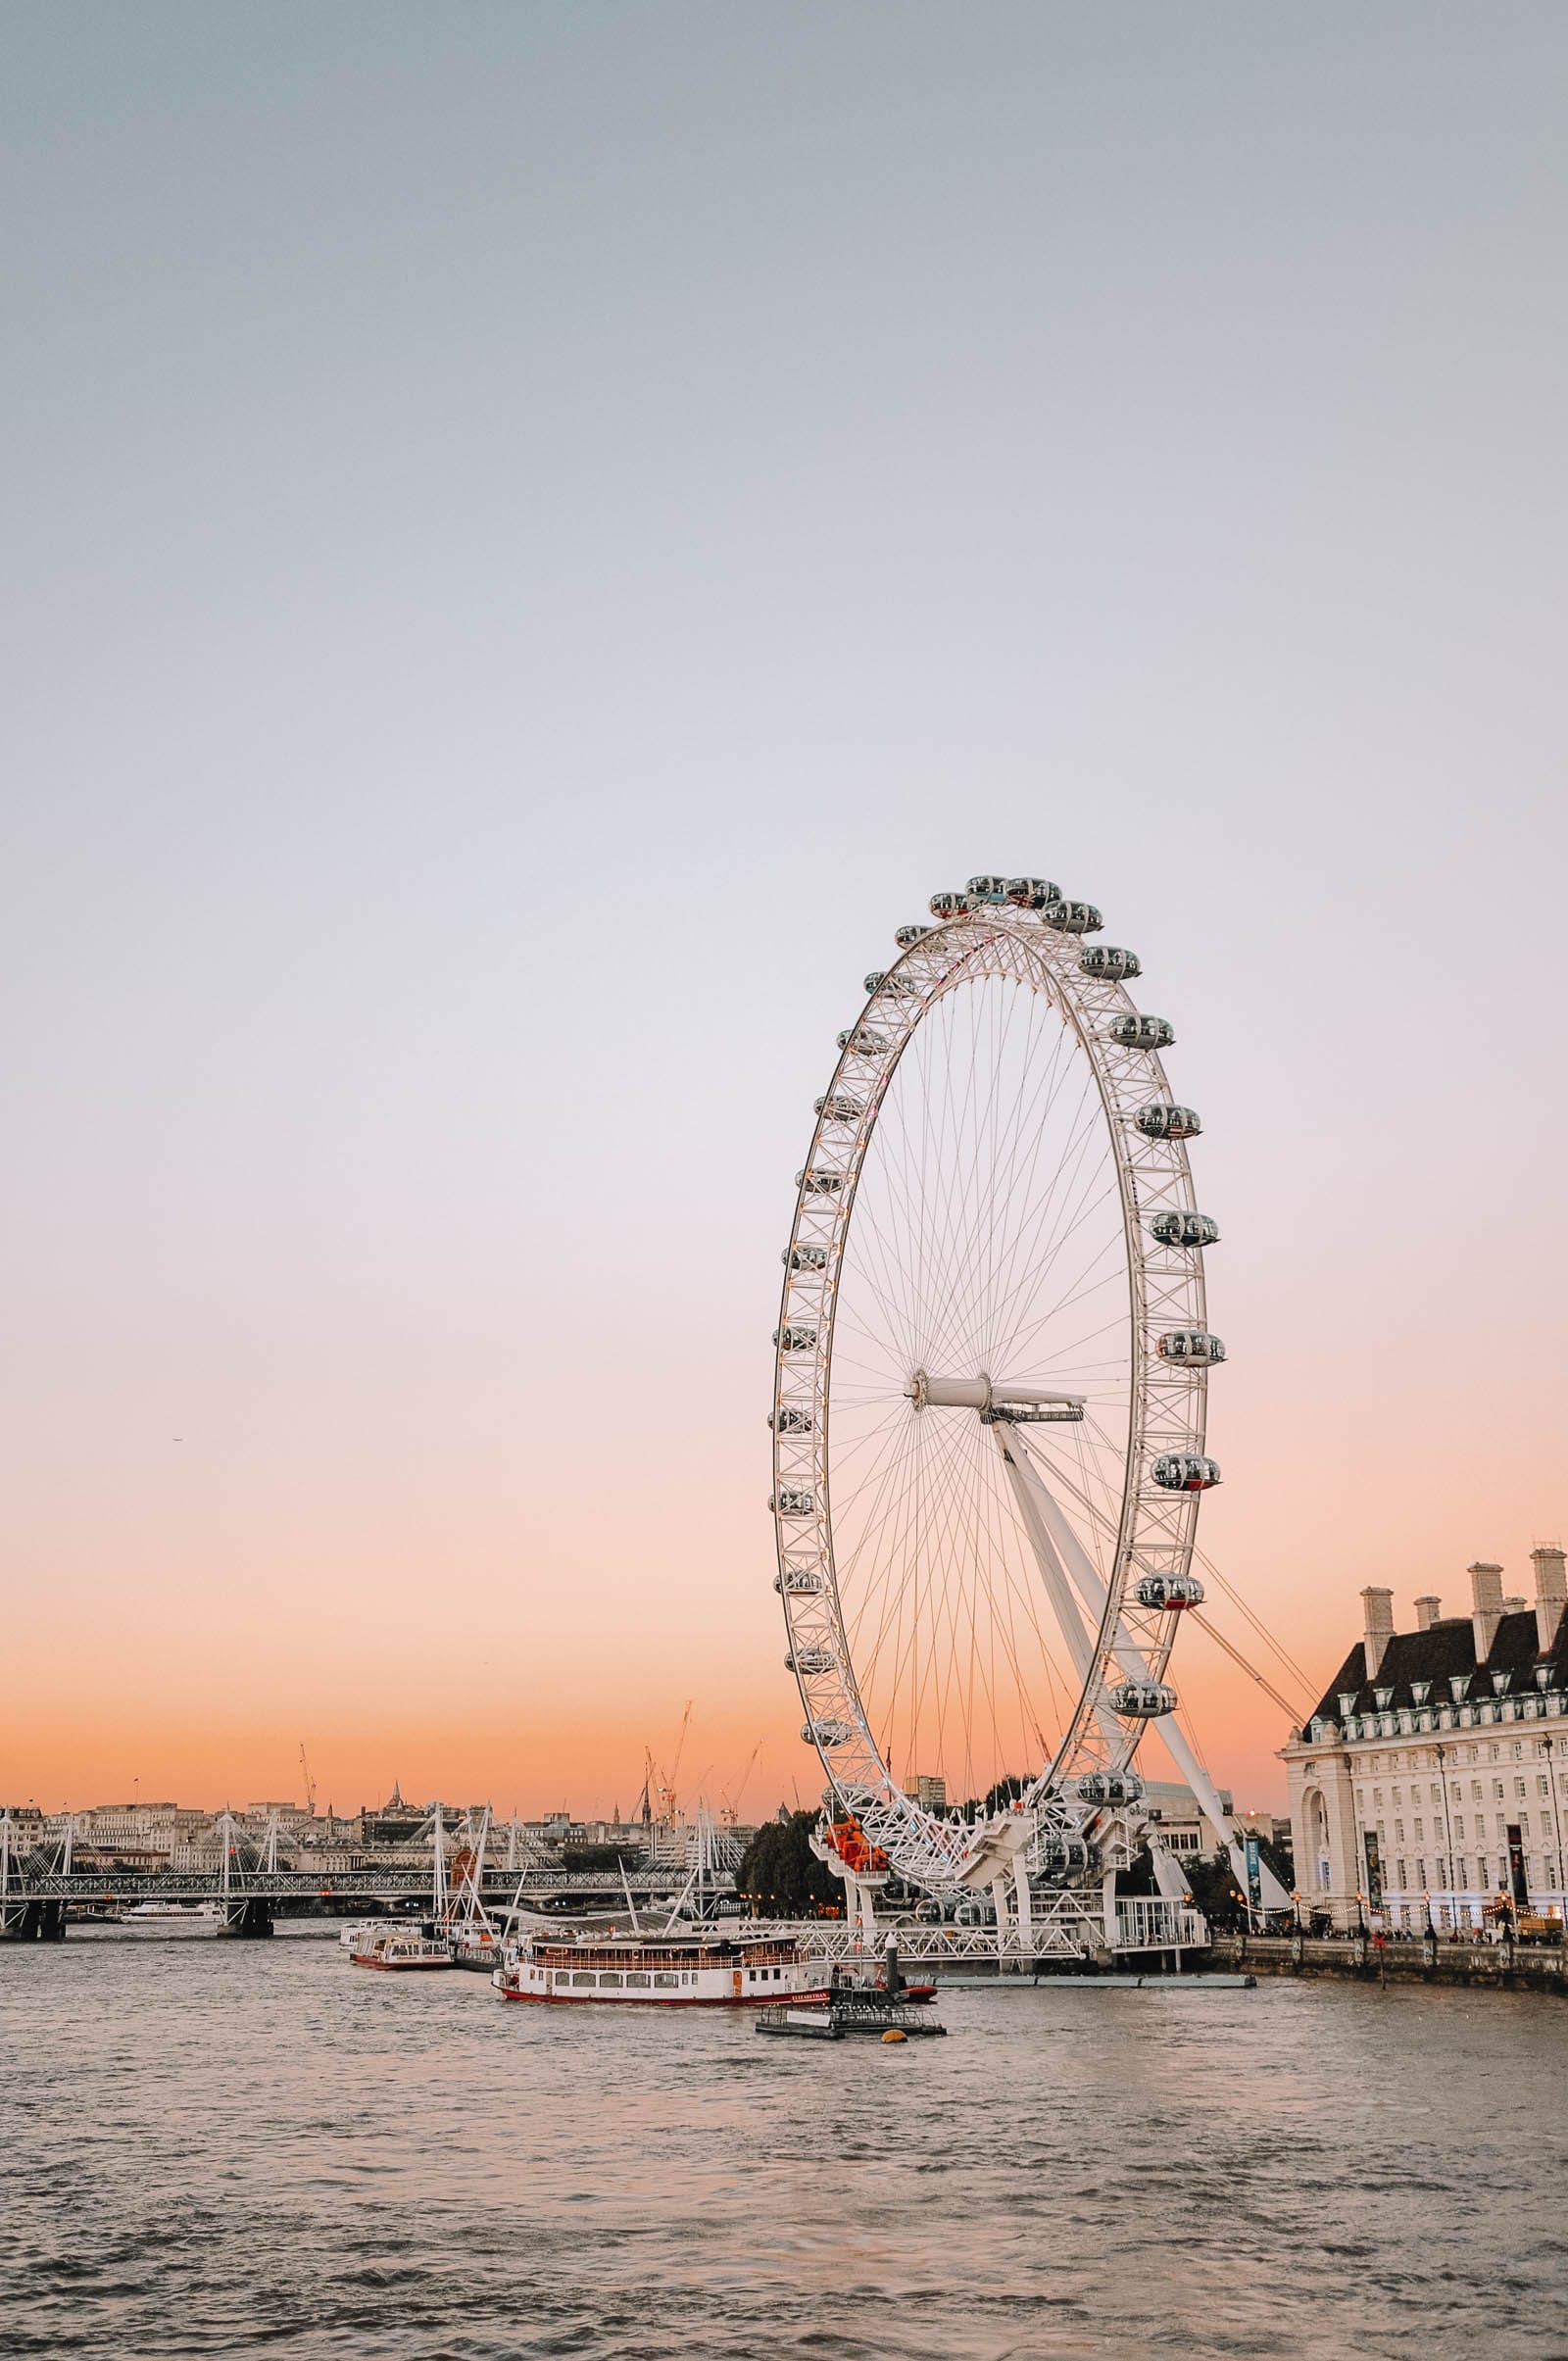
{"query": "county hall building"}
pixel 1432 1776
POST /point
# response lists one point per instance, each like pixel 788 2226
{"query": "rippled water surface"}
pixel 213 2148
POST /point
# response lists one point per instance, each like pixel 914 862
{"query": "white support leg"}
pixel 1065 1552
pixel 1020 1890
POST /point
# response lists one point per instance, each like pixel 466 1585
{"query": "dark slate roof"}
pixel 1448 1647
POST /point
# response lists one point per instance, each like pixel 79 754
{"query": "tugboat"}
pixel 881 2011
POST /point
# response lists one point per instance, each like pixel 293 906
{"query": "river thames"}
pixel 234 2148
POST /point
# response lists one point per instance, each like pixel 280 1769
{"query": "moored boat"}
pixel 697 1970
pixel 402 1948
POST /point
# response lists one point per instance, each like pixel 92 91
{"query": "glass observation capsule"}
pixel 1142 1700
pixel 1141 1032
pixel 1058 1852
pixel 1184 1229
pixel 948 906
pixel 795 1340
pixel 819 1183
pixel 1195 1348
pixel 1032 893
pixel 787 1420
pixel 798 1581
pixel 804 1257
pixel 1109 961
pixel 1161 1120
pixel 1173 1591
pixel 1110 1787
pixel 1185 1471
pixel 827 1733
pixel 875 980
pixel 987 889
pixel 1073 917
pixel 863 1042
pixel 907 937
pixel 809 1660
pixel 785 1503
pixel 840 1107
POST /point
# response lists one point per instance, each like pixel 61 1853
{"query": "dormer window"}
pixel 1385 1698
pixel 1458 1686
pixel 1347 1704
pixel 1543 1676
pixel 1500 1683
pixel 1420 1690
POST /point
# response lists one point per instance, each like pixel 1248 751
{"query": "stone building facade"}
pixel 1432 1778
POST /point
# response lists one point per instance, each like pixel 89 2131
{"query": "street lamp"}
pixel 1556 1821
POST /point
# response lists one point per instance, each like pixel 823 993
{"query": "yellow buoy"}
pixel 893 2033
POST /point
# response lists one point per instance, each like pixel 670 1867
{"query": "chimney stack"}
pixel 1377 1607
pixel 1428 1610
pixel 1551 1595
pixel 1486 1601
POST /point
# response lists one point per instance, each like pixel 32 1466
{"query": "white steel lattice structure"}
pixel 990 1391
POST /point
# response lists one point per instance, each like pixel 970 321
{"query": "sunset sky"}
pixel 535 538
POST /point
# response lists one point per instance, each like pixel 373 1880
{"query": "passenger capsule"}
pixel 949 906
pixel 795 1340
pixel 788 1421
pixel 987 889
pixel 1110 1787
pixel 1114 965
pixel 875 980
pixel 1195 1348
pixel 1058 1852
pixel 1073 917
pixel 786 1502
pixel 863 1042
pixel 805 1257
pixel 828 1733
pixel 809 1660
pixel 798 1581
pixel 1173 1591
pixel 1032 893
pixel 818 1183
pixel 1161 1120
pixel 1142 1700
pixel 1185 1471
pixel 1141 1032
pixel 907 937
pixel 839 1108
pixel 1184 1229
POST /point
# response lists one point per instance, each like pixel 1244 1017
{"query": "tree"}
pixel 781 1874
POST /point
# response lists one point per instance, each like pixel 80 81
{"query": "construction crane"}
pixel 667 1789
pixel 310 1784
pixel 731 1811
pixel 661 1784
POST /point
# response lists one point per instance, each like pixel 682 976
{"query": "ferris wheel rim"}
pixel 1152 1171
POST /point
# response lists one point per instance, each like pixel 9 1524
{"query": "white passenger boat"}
pixel 699 1970
pixel 155 1913
pixel 402 1947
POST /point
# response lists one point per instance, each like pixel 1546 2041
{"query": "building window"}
pixel 1403 1880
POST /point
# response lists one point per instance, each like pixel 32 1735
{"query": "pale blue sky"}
pixel 533 538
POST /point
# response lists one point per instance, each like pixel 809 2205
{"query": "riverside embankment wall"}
pixel 1505 1966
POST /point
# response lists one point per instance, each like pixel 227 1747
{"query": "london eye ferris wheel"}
pixel 990 1384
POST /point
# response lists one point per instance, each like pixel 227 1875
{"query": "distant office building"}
pixel 1173 1805
pixel 1432 1776
pixel 931 1793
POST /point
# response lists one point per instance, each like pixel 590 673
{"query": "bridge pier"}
pixel 34 1922
pixel 252 1919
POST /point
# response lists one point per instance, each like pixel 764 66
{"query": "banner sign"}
pixel 1374 1871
